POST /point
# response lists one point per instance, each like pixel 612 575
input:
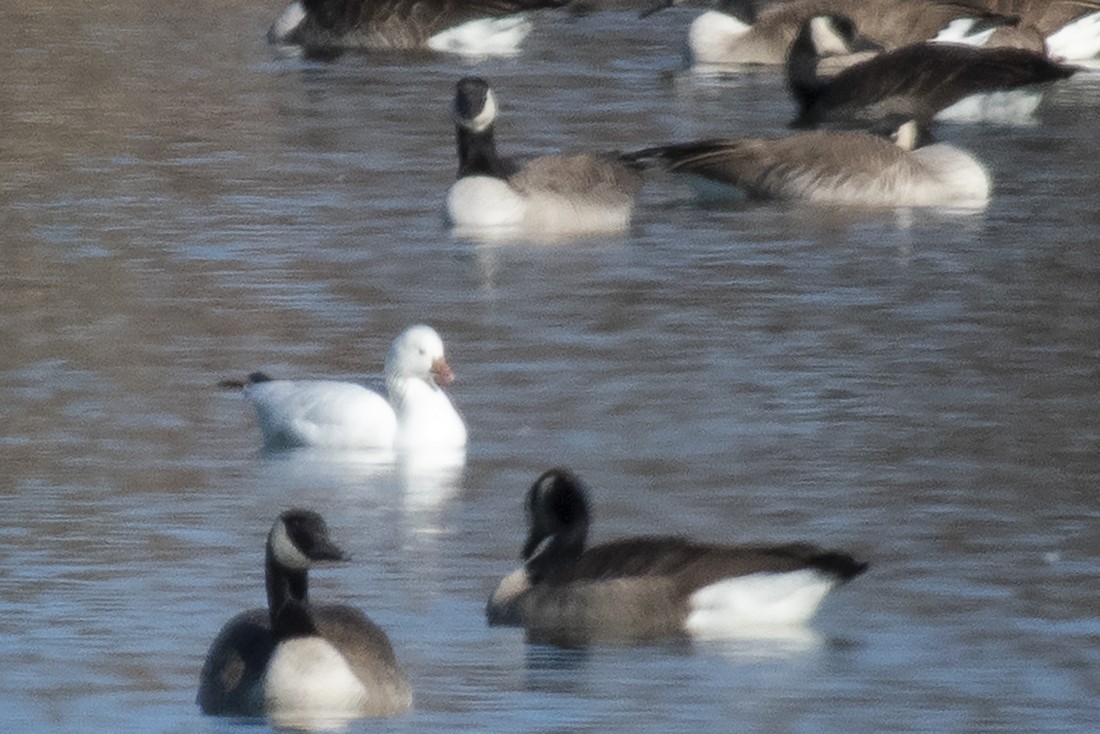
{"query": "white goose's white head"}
pixel 417 353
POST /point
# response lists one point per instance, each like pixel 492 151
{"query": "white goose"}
pixel 416 412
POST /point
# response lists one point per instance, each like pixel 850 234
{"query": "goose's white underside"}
pixel 481 37
pixel 483 203
pixel 309 685
pixel 711 38
pixel 1016 107
pixel 484 37
pixel 749 605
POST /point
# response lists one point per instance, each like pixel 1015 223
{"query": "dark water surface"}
pixel 179 205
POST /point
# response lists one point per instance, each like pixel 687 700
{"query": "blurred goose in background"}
pixel 850 168
pixel 470 27
pixel 917 82
pixel 764 36
pixel 1069 28
pixel 303 665
pixel 647 588
pixel 415 413
pixel 550 194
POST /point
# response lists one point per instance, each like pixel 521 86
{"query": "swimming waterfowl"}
pixel 850 168
pixel 297 662
pixel 917 82
pixel 721 38
pixel 551 194
pixel 1070 28
pixel 415 413
pixel 473 27
pixel 646 588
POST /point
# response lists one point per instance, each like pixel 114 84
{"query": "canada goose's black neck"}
pixel 283 585
pixel 474 112
pixel 293 620
pixel 802 78
pixel 477 153
pixel 558 512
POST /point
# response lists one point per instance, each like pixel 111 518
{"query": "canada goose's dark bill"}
pixel 300 539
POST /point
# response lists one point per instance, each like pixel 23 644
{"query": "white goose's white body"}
pixel 322 413
pixel 415 414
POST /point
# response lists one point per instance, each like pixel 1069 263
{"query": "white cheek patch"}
pixel 286 23
pixel 511 586
pixel 742 605
pixel 483 119
pixel 827 40
pixel 285 551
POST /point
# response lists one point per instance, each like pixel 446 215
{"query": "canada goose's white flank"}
pixel 915 82
pixel 651 587
pixel 472 27
pixel 303 665
pixel 416 412
pixel 551 194
pixel 848 168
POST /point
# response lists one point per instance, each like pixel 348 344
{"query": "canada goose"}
pixel 295 661
pixel 851 168
pixel 562 194
pixel 1070 28
pixel 719 38
pixel 476 27
pixel 652 587
pixel 915 82
pixel 416 412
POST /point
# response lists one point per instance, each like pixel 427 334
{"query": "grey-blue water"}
pixel 181 205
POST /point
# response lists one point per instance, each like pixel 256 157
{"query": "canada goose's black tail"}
pixel 236 384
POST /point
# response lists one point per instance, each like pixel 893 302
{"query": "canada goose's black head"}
pixel 821 37
pixel 475 107
pixel 557 513
pixel 474 112
pixel 299 538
